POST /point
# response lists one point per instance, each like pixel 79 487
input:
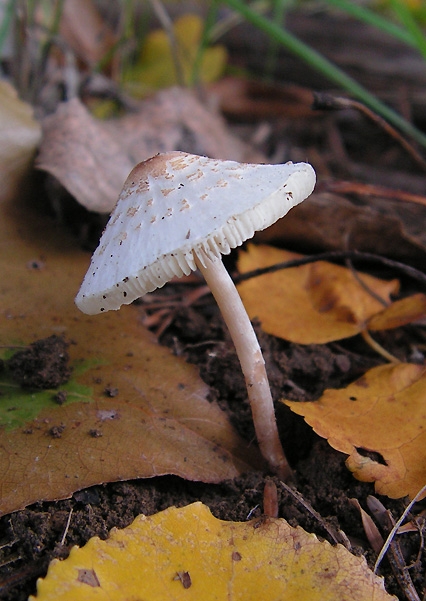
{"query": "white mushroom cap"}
pixel 177 205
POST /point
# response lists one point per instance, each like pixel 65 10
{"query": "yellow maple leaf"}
pixel 188 554
pixel 315 303
pixel 158 62
pixel 383 411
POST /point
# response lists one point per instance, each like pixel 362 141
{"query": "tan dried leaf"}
pixel 92 158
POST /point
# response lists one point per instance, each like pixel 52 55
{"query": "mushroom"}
pixel 178 212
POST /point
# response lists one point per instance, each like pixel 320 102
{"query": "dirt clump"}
pixel 42 365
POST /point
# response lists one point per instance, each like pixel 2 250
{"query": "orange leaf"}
pixel 399 313
pixel 188 554
pixel 315 303
pixel 384 411
pixel 159 422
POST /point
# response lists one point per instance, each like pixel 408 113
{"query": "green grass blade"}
pixel 405 16
pixel 327 68
pixel 371 18
pixel 6 23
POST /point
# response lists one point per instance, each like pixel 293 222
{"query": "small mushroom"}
pixel 178 212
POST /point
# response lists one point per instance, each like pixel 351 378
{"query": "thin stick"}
pixel 412 272
pixel 345 187
pixel 66 527
pixel 395 528
pixel 378 347
pixel 323 100
pixel 297 495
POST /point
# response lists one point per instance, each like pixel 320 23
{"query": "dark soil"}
pixel 44 364
pixel 29 539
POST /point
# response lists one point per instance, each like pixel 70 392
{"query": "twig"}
pixel 334 537
pixel 364 284
pixel 412 272
pixel 323 100
pixel 378 347
pixel 66 528
pixel 395 528
pixel 392 547
pixel 344 187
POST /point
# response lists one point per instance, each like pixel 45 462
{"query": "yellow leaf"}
pixel 399 313
pixel 159 422
pixel 384 411
pixel 188 554
pixel 156 67
pixel 315 303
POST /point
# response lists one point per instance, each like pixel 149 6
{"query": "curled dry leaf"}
pixel 84 156
pixel 384 412
pixel 314 303
pixel 399 313
pixel 188 554
pixel 130 408
pixel 19 136
pixel 92 158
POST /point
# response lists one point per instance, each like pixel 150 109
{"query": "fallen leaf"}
pixel 251 99
pixel 336 222
pixel 382 412
pixel 188 554
pixel 159 62
pixel 314 303
pixel 399 313
pixel 92 158
pixel 88 160
pixel 85 31
pixel 159 422
pixel 20 134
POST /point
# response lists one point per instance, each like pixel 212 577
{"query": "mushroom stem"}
pixel 251 360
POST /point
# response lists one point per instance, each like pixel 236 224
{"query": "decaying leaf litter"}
pixel 195 332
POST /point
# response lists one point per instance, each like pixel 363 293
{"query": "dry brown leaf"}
pixel 188 554
pixel 88 160
pixel 85 31
pixel 332 222
pixel 156 421
pixel 251 99
pixel 384 411
pixel 92 158
pixel 20 134
pixel 314 303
